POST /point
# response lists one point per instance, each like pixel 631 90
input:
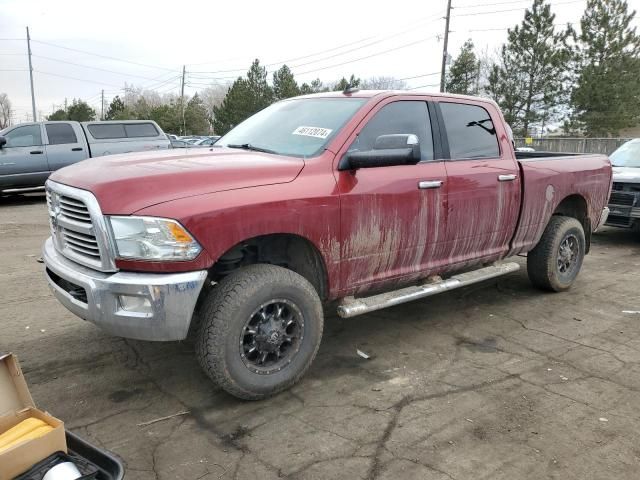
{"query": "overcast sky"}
pixel 217 40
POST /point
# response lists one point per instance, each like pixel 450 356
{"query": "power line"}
pixel 510 9
pixel 273 64
pixel 383 52
pixel 103 56
pixel 75 78
pixel 90 67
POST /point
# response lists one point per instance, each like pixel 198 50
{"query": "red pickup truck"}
pixel 366 198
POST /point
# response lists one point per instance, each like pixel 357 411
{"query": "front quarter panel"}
pixel 308 207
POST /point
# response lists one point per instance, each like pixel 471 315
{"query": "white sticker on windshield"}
pixel 317 132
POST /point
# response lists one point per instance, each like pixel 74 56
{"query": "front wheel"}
pixel 260 329
pixel 556 260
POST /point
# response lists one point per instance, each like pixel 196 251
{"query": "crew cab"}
pixel 624 202
pixel 29 152
pixel 360 199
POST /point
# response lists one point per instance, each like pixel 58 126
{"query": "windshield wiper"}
pixel 253 148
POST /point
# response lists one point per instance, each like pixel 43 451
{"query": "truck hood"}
pixel 124 184
pixel 626 174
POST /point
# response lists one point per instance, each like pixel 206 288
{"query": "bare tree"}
pixel 5 111
pixel 384 83
pixel 213 96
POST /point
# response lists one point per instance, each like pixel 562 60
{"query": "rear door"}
pixel 483 182
pixel 392 218
pixel 65 144
pixel 23 160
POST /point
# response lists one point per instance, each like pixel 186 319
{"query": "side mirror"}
pixel 388 151
pixel 3 142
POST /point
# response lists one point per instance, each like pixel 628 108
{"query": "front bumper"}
pixel 144 306
pixel 603 218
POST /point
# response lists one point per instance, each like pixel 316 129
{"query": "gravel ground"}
pixel 495 381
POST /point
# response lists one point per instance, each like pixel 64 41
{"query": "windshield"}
pixel 299 128
pixel 628 155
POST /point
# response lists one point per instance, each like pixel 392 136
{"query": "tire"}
pixel 259 298
pixel 547 267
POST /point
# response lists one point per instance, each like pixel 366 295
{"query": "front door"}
pixel 392 218
pixel 484 185
pixel 63 145
pixel 23 160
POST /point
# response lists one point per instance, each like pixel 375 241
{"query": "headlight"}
pixel 152 238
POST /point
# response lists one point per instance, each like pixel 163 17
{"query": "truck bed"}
pixel 558 181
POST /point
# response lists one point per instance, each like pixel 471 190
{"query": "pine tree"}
pixel 58 115
pixel 284 84
pixel 195 117
pixel 245 97
pixel 315 87
pixel 80 111
pixel 606 97
pixel 344 83
pixel 116 107
pixel 529 83
pixel 463 75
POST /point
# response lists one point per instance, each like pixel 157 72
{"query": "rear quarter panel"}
pixel 548 181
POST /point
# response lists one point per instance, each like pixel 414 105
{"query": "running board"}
pixel 350 307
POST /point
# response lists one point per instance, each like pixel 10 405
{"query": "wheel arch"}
pixel 288 250
pixel 576 206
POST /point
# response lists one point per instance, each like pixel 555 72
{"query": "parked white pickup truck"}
pixel 624 203
pixel 29 152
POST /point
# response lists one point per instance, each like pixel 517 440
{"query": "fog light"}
pixel 134 303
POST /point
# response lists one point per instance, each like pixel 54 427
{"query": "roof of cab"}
pixel 355 93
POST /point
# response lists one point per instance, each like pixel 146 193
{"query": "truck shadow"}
pixel 22 199
pixel 610 236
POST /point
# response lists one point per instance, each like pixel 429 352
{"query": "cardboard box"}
pixel 17 405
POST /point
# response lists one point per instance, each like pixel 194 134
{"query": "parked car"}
pixel 180 144
pixel 29 152
pixel 333 197
pixel 206 142
pixel 625 195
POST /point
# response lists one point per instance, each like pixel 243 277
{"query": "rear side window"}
pixel 140 130
pixel 60 133
pixel 403 117
pixel 107 130
pixel 470 131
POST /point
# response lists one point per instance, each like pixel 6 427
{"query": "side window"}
pixel 140 130
pixel 470 131
pixel 107 130
pixel 27 136
pixel 60 133
pixel 402 117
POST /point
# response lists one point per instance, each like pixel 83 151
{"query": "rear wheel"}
pixel 556 261
pixel 260 329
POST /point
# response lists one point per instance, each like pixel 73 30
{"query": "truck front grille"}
pixel 78 227
pixel 622 198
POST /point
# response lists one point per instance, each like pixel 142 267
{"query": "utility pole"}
pixel 102 105
pixel 445 54
pixel 184 128
pixel 33 97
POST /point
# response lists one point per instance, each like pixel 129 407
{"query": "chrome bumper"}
pixel 603 218
pixel 144 306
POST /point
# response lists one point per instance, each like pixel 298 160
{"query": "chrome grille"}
pixel 78 227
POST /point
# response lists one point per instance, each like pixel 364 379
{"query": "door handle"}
pixel 35 152
pixel 76 149
pixel 507 178
pixel 427 184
